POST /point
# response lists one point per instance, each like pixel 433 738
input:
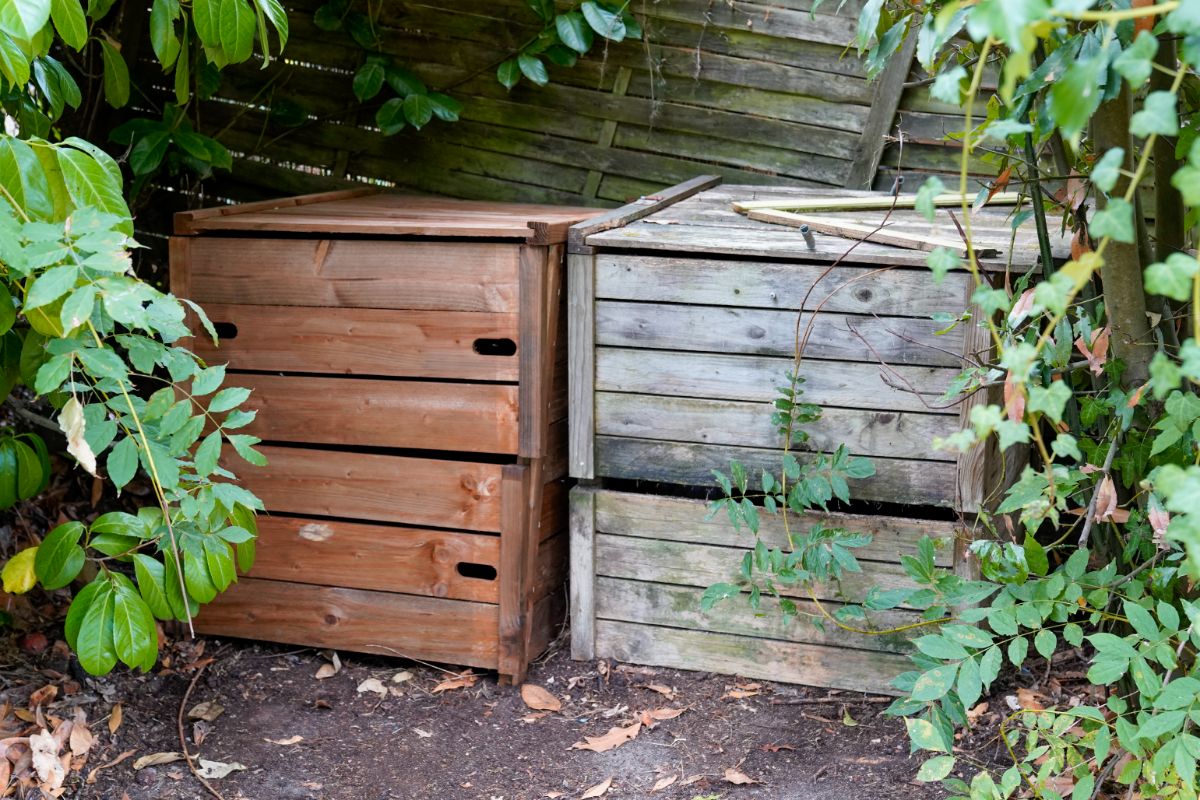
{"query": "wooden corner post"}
pixel 583 573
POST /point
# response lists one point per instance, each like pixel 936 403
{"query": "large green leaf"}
pixel 94 642
pixel 59 557
pixel 80 605
pixel 163 37
pixel 574 31
pixel 23 177
pixel 237 29
pixel 135 637
pixel 24 19
pixel 70 22
pixel 89 183
pixel 116 75
pixel 151 584
pixel 14 65
pixel 277 15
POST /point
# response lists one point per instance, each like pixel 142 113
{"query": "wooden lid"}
pixel 373 213
pixel 705 222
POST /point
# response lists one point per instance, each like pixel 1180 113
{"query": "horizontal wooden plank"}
pixel 702 565
pixel 478 418
pixel 845 384
pixel 769 332
pixel 734 422
pixel 757 284
pixel 406 626
pixel 671 606
pixel 749 657
pixel 895 480
pixel 361 341
pixel 363 486
pixel 388 559
pixel 351 273
pixel 684 520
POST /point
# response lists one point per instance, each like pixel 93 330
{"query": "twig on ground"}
pixel 187 756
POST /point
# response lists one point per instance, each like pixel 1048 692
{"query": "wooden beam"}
pixel 884 103
pixel 872 233
pixel 642 207
pixel 581 363
pixel 867 202
pixel 583 573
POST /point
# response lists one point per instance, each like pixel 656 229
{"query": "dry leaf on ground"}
pixel 463 681
pixel 539 699
pixel 372 685
pixel 422 733
pixel 736 776
pixel 740 694
pixel 114 718
pixel 81 739
pixel 155 759
pixel 330 668
pixel 663 783
pixel 847 720
pixel 46 763
pixel 775 748
pixel 284 742
pixel 665 691
pixel 656 715
pixel 599 790
pixel 609 741
pixel 975 713
pixel 91 778
pixel 218 769
pixel 402 676
pixel 43 695
pixel 208 711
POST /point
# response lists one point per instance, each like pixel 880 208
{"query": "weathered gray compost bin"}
pixel 683 323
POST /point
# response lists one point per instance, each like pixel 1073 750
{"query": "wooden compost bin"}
pixel 408 362
pixel 683 323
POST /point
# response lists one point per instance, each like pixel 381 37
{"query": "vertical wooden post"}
pixel 581 363
pixel 583 573
pixel 514 575
pixel 884 102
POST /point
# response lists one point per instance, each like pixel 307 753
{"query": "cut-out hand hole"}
pixel 483 572
pixel 495 347
pixel 225 330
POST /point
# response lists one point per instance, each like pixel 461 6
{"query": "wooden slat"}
pixel 669 606
pixel 767 659
pixel 850 231
pixel 758 284
pixel 685 520
pixel 716 329
pixel 583 574
pixel 351 273
pixel 406 626
pixel 701 565
pixel 541 281
pixel 845 384
pixel 884 102
pixel 732 422
pixel 188 222
pixel 388 559
pixel 361 341
pixel 414 491
pixel 478 418
pixel 581 375
pixel 895 481
pixel 516 579
pixel 642 207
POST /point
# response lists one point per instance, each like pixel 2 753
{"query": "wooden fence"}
pixel 757 92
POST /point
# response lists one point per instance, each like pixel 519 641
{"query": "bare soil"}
pixel 304 738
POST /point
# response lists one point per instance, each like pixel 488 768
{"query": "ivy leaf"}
pixel 1115 221
pixel 930 189
pixel 1172 278
pixel 1075 97
pixel 1136 62
pixel 940 261
pixel 947 87
pixel 1108 169
pixel 1159 115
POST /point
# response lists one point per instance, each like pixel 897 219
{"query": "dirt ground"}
pixel 300 737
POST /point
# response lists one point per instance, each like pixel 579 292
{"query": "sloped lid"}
pixel 373 213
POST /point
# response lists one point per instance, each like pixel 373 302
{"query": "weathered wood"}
pixel 759 284
pixel 583 573
pixel 450 631
pixel 351 273
pixel 672 606
pixel 383 558
pixel 732 422
pixel 361 341
pixel 639 209
pixel 581 362
pixel 973 464
pixel 515 580
pixel 685 520
pixel 541 284
pixel 843 384
pixel 444 494
pixel 470 417
pixel 885 99
pixel 749 657
pixel 838 202
pixel 895 481
pixel 701 565
pixel 899 340
pixel 880 234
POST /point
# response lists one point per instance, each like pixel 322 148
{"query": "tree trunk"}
pixel 1168 203
pixel 1124 295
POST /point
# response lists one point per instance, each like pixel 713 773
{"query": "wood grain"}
pixel 480 418
pixel 581 369
pixel 361 341
pixel 405 626
pixel 354 273
pixel 414 491
pixel 583 573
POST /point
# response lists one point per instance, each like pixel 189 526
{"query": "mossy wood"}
pixel 408 362
pixel 685 320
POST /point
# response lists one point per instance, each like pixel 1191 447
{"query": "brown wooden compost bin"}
pixel 683 323
pixel 407 357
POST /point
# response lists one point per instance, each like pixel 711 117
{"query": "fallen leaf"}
pixel 663 783
pixel 330 668
pixel 200 731
pixel 1028 700
pixel 665 691
pixel 208 711
pixel 463 681
pixel 46 763
pixel 690 779
pixel 155 759
pixel 114 718
pixel 656 715
pixel 529 719
pixel 217 769
pixel 81 739
pixel 372 685
pixel 737 777
pixel 422 733
pixel 285 742
pixel 847 720
pixel 599 790
pixel 402 676
pixel 91 778
pixel 775 748
pixel 740 694
pixel 609 741
pixel 43 695
pixel 975 713
pixel 539 699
